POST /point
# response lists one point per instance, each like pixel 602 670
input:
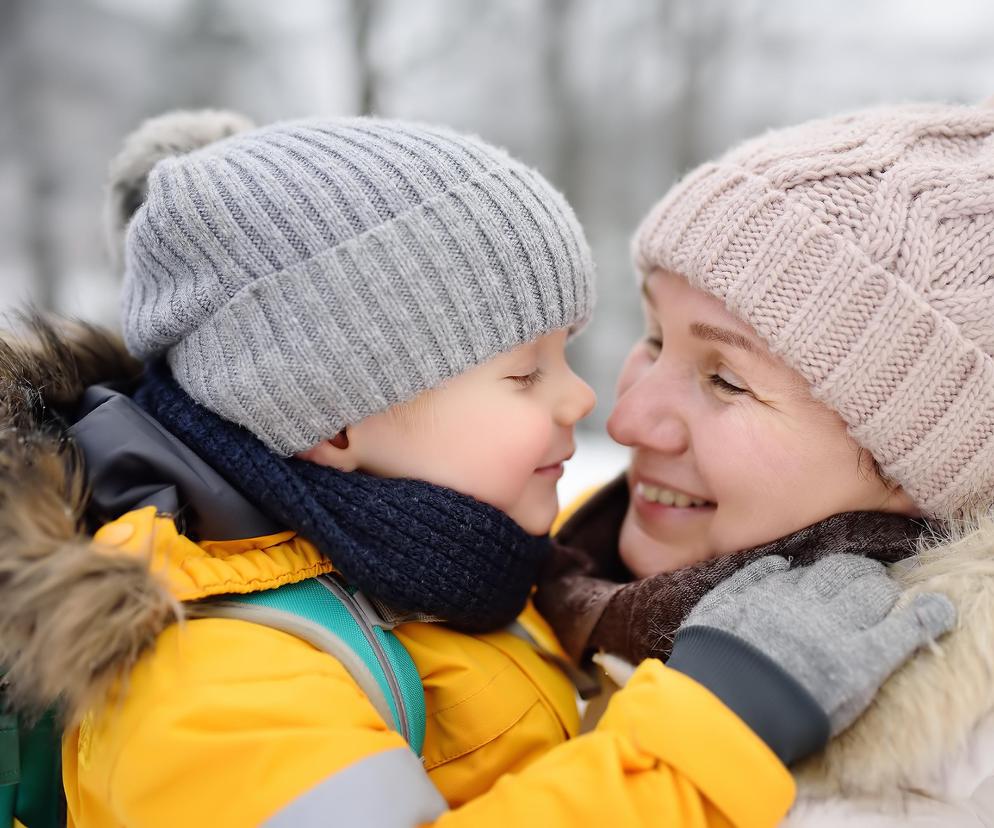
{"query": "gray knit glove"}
pixel 831 626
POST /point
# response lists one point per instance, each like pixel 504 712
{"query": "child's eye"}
pixel 528 380
pixel 653 344
pixel 722 384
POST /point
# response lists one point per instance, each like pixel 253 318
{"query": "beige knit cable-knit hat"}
pixel 861 248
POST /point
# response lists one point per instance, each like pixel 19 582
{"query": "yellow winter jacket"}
pixel 229 723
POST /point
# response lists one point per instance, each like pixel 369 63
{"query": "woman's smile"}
pixel 664 495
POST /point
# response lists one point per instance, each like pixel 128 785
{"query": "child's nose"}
pixel 577 402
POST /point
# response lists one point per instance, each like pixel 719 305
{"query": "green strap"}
pixel 10 767
pixel 31 772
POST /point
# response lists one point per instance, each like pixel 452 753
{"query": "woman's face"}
pixel 729 448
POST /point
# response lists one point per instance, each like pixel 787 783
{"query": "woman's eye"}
pixel 527 380
pixel 722 384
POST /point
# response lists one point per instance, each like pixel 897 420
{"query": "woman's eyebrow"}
pixel 711 333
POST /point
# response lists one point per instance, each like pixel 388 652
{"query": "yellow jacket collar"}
pixel 198 570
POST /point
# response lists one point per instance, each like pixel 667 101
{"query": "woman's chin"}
pixel 652 550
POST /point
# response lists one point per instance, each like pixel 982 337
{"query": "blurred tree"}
pixel 364 14
pixel 698 35
pixel 205 55
pixel 564 121
pixel 26 116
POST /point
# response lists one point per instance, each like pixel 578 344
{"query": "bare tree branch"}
pixel 27 101
pixel 363 18
pixel 565 126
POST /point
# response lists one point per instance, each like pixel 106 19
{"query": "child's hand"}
pixel 832 627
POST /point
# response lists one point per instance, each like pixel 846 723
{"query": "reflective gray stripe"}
pixel 386 790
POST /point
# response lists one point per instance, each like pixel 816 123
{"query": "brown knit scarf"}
pixel 591 601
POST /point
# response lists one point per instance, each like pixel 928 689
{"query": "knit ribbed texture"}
pixel 305 275
pixel 861 248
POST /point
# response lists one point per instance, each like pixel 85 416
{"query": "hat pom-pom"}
pixel 171 134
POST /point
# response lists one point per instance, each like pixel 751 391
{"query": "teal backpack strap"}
pixel 340 621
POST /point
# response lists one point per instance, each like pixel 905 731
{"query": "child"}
pixel 354 333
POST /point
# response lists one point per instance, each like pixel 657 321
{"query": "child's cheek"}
pixel 515 450
pixel 534 447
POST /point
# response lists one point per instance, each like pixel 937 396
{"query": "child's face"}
pixel 712 414
pixel 499 432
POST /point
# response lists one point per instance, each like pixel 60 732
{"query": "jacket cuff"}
pixel 768 699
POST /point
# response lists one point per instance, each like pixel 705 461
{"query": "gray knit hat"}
pixel 302 276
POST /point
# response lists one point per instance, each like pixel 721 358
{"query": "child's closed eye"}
pixel 527 380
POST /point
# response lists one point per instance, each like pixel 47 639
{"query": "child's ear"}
pixel 336 452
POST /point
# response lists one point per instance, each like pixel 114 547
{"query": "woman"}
pixel 817 374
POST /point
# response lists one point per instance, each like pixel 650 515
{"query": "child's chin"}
pixel 537 525
pixel 539 512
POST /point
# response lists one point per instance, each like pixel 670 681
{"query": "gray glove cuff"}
pixel 771 702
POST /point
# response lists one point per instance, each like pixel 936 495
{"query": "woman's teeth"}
pixel 668 497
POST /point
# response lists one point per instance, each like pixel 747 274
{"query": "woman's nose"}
pixel 647 415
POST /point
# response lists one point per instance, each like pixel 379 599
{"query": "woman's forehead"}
pixel 665 291
pixel 705 318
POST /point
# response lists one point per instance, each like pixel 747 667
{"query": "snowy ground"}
pixel 597 460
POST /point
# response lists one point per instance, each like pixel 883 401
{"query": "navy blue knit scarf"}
pixel 414 546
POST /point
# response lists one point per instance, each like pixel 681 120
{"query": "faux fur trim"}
pixel 73 617
pixel 913 810
pixel 47 362
pixel 928 712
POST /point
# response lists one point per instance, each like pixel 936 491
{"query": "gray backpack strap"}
pixel 587 683
pixel 328 615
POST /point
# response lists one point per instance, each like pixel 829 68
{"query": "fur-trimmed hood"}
pixel 72 615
